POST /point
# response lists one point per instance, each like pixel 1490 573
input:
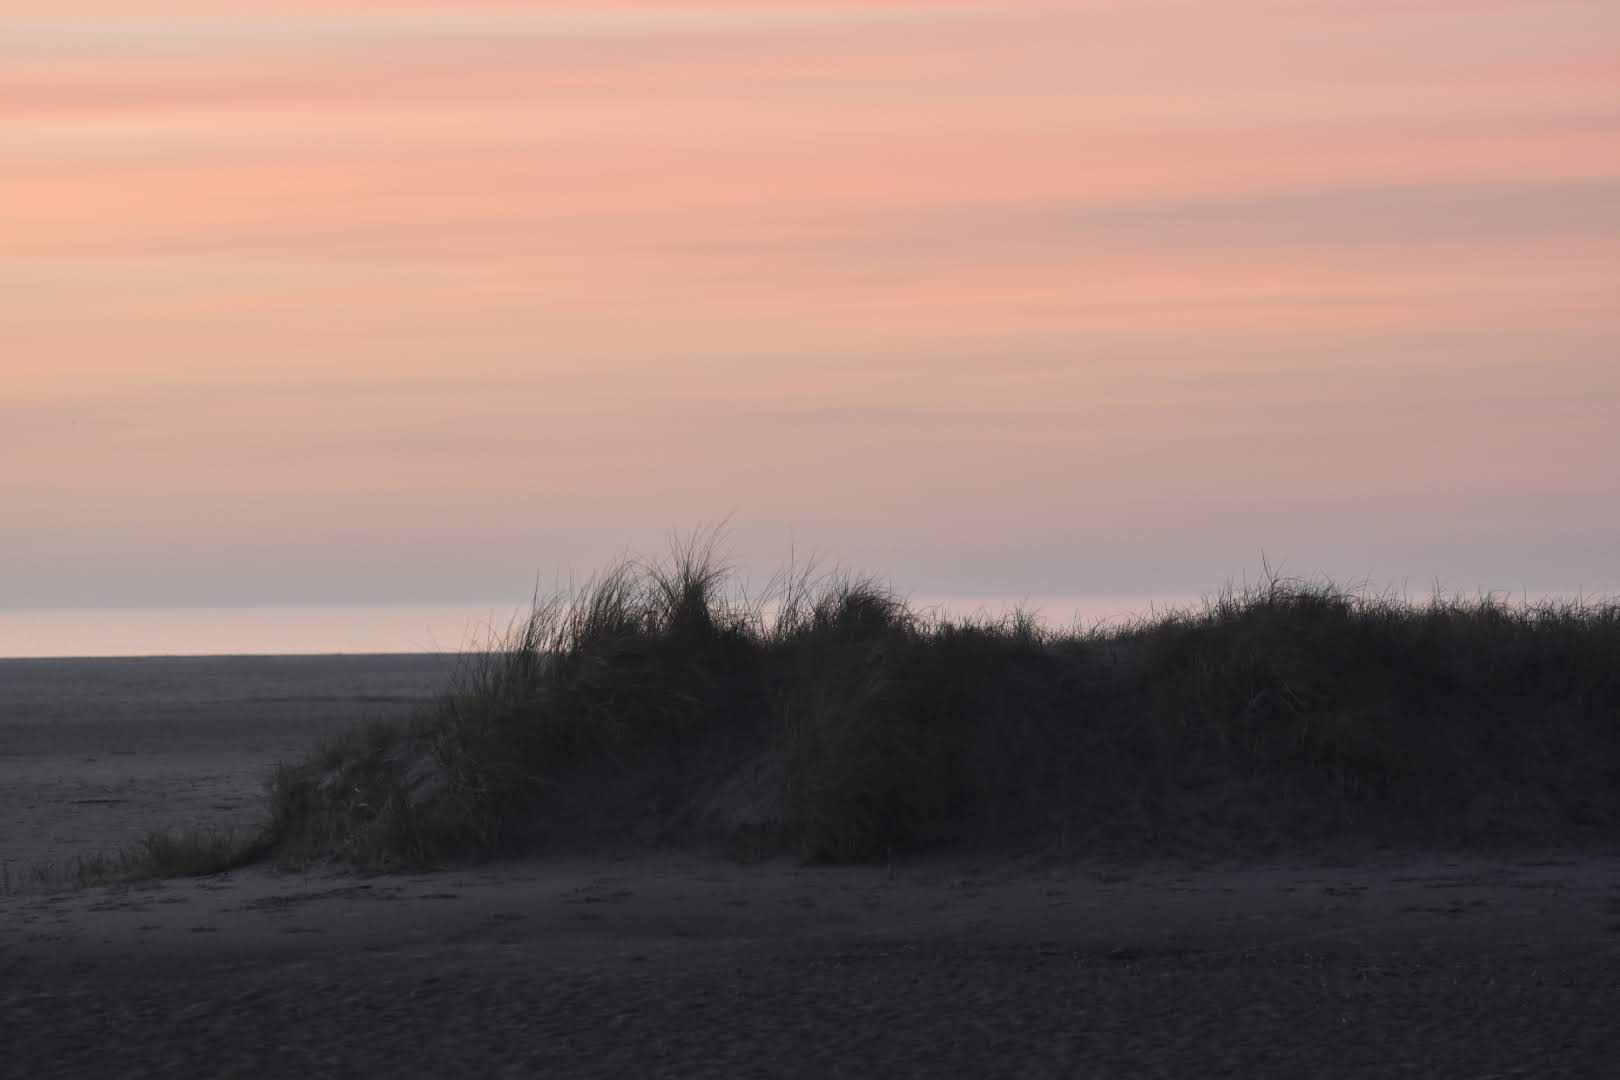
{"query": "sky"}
pixel 361 301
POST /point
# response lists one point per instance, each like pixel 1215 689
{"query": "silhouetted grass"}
pixel 193 853
pixel 184 853
pixel 1283 715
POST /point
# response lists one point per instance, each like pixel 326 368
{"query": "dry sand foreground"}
pixel 668 965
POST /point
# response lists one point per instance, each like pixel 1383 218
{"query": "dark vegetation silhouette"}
pixel 827 718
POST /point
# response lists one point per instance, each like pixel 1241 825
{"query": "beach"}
pixel 97 753
pixel 669 965
pixel 663 962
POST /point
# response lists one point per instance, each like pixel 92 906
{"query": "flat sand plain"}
pixel 669 965
pixel 1410 964
pixel 96 753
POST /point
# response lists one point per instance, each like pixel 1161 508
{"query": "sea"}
pixel 374 629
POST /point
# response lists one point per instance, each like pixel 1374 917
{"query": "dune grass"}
pixel 1288 714
pixel 181 853
pixel 189 853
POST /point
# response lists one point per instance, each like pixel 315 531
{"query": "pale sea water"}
pixel 394 628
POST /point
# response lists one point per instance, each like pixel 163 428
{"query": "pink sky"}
pixel 343 301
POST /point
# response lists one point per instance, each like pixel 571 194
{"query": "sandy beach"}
pixel 669 963
pixel 96 753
